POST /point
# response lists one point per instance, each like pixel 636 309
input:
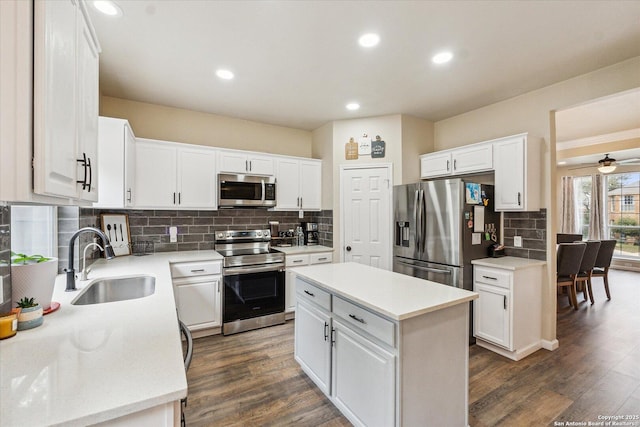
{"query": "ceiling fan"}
pixel 608 164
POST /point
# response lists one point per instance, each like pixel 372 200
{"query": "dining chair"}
pixel 568 238
pixel 569 259
pixel 586 268
pixel 603 261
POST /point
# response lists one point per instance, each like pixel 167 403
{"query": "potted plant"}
pixel 30 315
pixel 33 276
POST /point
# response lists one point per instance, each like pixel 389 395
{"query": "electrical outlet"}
pixel 173 234
pixel 517 241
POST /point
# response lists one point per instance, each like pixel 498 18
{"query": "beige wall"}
pixel 417 139
pixel 534 113
pixel 322 148
pixel 193 127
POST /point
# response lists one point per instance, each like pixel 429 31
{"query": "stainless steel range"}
pixel 253 275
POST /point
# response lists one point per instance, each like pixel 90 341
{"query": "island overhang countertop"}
pixel 390 294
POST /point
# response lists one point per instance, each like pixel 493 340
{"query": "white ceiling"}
pixel 297 63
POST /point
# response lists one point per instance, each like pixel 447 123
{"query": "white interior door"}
pixel 366 215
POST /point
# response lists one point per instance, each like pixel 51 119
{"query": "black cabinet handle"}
pixel 447 165
pixel 198 270
pixel 455 167
pixel 357 319
pixel 326 333
pixel 129 198
pixel 90 174
pixel 348 248
pixel 505 302
pixel 333 337
pixel 297 260
pixel 174 198
pixel 519 203
pixel 309 293
pixel 489 277
pixel 84 164
pixel 180 198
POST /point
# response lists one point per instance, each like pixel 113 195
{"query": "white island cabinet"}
pixel 387 349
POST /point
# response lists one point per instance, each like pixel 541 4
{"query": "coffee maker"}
pixel 310 230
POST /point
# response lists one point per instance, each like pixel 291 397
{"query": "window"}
pixel 623 216
pixel 33 230
pixel 627 204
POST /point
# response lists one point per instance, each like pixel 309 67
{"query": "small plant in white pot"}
pixel 33 276
pixel 30 315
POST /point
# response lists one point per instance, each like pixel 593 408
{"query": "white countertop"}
pixel 92 363
pixel 508 262
pixel 297 250
pixel 393 295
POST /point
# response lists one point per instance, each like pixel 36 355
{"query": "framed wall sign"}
pixel 116 227
pixel 351 150
pixel 377 148
pixel 364 145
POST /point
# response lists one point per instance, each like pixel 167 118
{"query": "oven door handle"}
pixel 252 269
pixel 263 189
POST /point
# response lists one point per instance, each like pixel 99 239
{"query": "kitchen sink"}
pixel 114 289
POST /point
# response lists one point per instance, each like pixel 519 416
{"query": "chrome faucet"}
pixel 108 254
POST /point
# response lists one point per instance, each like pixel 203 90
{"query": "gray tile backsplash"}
pixel 5 258
pixel 532 226
pixel 196 228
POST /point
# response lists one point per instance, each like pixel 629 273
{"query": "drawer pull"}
pixel 199 270
pixel 309 293
pixel 322 259
pixel 356 318
pixel 297 260
pixel 489 277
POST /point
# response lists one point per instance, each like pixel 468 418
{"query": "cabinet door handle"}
pixel 326 331
pixel 455 167
pixel 250 166
pixel 519 202
pixel 333 337
pixel 218 286
pixel 83 160
pixel 174 198
pixel 300 202
pixel 129 197
pixel 448 165
pixel 309 293
pixel 90 174
pixel 505 302
pixel 489 277
pixel 357 319
pixel 246 165
pixel 180 198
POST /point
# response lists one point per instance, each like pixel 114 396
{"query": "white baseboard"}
pixel 550 345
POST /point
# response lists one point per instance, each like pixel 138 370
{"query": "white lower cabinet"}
pixel 313 344
pixel 298 260
pixel 507 314
pixel 198 293
pixel 363 380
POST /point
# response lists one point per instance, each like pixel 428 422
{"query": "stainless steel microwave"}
pixel 250 191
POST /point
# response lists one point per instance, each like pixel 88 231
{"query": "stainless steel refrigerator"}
pixel 434 227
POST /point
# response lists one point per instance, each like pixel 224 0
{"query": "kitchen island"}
pixel 118 362
pixel 387 349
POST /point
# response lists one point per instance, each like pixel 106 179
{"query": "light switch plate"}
pixel 517 241
pixel 476 238
pixel 173 234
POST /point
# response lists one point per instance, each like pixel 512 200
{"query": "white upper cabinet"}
pixel 517 173
pixel 299 184
pixel 176 176
pixel 242 162
pixel 65 101
pixel 470 159
pixel 437 164
pixel 116 152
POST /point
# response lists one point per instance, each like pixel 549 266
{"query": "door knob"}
pixel 348 248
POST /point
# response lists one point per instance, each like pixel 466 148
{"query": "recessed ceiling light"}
pixel 224 74
pixel 352 106
pixel 107 7
pixel 442 57
pixel 369 40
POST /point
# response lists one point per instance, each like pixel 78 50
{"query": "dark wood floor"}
pixel 251 379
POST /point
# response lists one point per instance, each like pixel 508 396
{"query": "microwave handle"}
pixel 263 195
